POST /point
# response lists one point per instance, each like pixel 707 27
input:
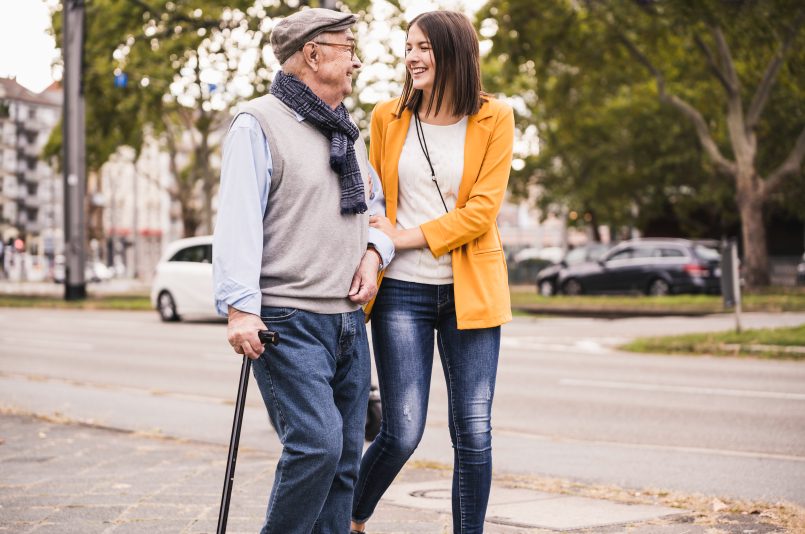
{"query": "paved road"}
pixel 567 404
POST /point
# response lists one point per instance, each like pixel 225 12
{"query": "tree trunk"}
pixel 756 256
pixel 190 222
pixel 206 178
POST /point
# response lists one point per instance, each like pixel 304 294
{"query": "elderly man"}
pixel 293 252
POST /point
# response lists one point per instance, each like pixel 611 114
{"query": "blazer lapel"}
pixel 396 132
pixel 478 132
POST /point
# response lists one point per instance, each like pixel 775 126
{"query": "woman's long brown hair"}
pixel 456 54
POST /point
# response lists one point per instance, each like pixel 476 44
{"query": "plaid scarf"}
pixel 334 124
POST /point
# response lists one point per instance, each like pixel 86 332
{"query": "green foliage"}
pixel 163 46
pixel 608 146
pixel 778 343
pixel 188 62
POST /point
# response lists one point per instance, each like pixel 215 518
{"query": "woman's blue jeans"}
pixel 404 319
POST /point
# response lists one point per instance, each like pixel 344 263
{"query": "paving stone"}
pixel 66 478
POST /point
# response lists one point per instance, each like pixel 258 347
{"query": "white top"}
pixel 418 199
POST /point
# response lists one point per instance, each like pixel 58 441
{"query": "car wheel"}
pixel 659 288
pixel 546 288
pixel 572 287
pixel 167 307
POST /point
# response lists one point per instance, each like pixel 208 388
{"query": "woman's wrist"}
pixel 409 239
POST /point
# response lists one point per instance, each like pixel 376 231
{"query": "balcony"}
pixel 32 150
pixel 31 177
pixel 32 202
pixel 32 227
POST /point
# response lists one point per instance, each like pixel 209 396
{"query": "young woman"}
pixel 443 151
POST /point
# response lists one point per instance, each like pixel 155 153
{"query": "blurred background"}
pixel 657 167
pixel 638 119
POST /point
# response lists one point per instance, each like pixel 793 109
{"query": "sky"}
pixel 27 51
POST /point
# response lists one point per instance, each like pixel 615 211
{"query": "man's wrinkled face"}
pixel 339 61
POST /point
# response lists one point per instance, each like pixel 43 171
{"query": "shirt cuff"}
pixel 383 245
pixel 243 298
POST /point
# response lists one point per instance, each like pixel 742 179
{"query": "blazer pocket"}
pixel 488 242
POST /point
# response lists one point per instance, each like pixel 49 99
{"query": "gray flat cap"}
pixel 294 31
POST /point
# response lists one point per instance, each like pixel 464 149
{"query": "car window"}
pixel 707 253
pixel 671 253
pixel 208 254
pixel 624 254
pixel 596 252
pixel 195 254
pixel 575 256
pixel 644 252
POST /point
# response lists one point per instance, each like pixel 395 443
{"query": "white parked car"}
pixel 183 280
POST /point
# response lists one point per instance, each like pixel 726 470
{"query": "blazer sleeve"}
pixel 477 216
pixel 376 140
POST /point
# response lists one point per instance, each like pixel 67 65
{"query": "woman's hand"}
pixel 402 239
pixel 384 225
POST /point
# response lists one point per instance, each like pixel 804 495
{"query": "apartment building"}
pixel 30 188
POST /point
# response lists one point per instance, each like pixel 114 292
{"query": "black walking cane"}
pixel 266 336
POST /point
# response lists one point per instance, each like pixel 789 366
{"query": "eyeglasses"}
pixel 353 46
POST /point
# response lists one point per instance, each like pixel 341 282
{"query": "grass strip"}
pixel 781 300
pixel 773 343
pixel 106 302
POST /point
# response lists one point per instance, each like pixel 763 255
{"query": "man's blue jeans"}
pixel 404 319
pixel 315 385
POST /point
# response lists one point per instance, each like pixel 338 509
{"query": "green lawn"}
pixel 107 302
pixel 781 343
pixel 524 301
pixel 770 300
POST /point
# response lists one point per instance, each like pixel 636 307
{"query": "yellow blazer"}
pixel 470 231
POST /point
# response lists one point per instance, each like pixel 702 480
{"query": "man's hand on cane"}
pixel 241 332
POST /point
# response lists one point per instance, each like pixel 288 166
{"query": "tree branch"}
pixel 789 167
pixel 702 130
pixel 177 17
pixel 770 76
pixel 711 60
pixel 727 62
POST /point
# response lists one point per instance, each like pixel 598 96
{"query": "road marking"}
pixel 542 344
pixel 748 393
pixel 20 343
pixel 651 446
pixel 151 392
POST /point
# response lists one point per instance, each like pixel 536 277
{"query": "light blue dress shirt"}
pixel 242 201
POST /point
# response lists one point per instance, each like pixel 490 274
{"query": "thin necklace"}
pixel 423 144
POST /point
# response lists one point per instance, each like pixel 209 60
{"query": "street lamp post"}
pixel 73 140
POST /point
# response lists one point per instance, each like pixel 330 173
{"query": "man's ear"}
pixel 312 56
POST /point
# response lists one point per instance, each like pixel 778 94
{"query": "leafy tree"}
pixel 187 63
pixel 685 102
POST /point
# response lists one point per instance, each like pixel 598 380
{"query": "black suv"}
pixel 548 276
pixel 653 266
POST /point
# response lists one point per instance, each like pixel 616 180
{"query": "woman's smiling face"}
pixel 419 59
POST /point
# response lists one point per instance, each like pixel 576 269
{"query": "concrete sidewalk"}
pixel 66 478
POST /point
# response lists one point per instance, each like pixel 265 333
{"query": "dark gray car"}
pixel 651 266
pixel 547 277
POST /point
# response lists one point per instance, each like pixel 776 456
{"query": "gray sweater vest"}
pixel 310 250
